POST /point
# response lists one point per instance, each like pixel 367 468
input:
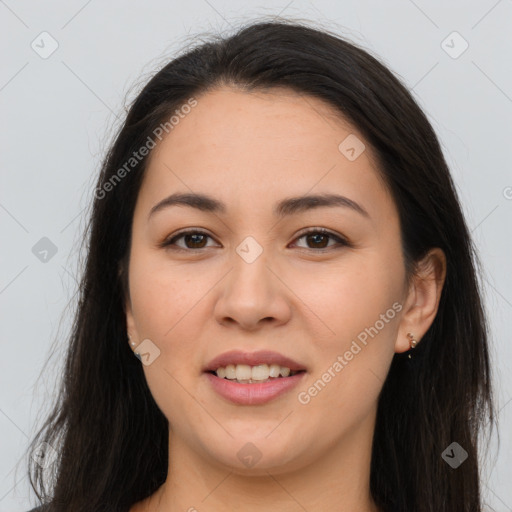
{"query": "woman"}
pixel 276 236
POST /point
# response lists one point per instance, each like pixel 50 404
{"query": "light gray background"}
pixel 58 115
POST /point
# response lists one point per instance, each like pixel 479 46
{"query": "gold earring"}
pixel 413 342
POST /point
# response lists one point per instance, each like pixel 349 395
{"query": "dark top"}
pixel 42 509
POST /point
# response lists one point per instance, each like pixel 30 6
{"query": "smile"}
pixel 250 392
pixel 244 373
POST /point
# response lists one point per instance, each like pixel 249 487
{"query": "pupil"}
pixel 317 235
pixel 194 238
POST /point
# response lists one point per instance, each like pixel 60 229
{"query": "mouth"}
pixel 251 392
pixel 259 374
pixel 253 378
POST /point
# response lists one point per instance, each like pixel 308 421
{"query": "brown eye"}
pixel 193 240
pixel 319 239
pixel 196 239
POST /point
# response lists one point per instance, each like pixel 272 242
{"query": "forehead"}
pixel 279 122
pixel 255 147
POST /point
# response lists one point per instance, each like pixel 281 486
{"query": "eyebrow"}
pixel 283 208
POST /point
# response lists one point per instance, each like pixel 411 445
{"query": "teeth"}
pixel 258 373
pixel 230 371
pixel 285 371
pixel 243 372
pixel 274 370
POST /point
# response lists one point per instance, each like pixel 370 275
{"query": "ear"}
pixel 131 329
pixel 423 298
pixel 130 323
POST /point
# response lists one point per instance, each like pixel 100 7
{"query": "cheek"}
pixel 162 294
pixel 166 304
pixel 349 298
pixel 360 305
pixel 169 308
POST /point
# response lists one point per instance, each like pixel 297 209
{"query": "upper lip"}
pixel 252 359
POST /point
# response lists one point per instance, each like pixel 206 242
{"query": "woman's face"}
pixel 252 281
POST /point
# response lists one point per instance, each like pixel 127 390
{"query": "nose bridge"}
pixel 251 291
pixel 250 276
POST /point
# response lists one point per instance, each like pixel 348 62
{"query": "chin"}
pixel 257 456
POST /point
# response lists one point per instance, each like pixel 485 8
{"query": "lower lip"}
pixel 253 394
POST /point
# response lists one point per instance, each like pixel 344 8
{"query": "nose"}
pixel 253 295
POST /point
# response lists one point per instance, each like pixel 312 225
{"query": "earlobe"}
pixel 423 299
pixel 131 331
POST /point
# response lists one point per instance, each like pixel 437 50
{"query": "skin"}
pixel 251 150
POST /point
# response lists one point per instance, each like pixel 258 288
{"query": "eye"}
pixel 194 237
pixel 318 237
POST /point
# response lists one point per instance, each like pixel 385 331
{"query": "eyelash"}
pixel 169 242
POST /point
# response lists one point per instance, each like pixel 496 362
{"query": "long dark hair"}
pixel 109 434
